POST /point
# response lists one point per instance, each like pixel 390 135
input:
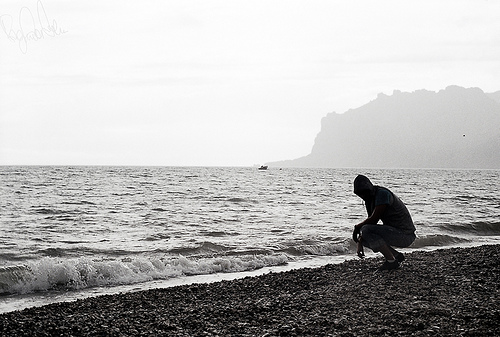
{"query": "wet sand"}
pixel 449 292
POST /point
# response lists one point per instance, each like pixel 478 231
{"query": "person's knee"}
pixel 370 238
pixel 368 231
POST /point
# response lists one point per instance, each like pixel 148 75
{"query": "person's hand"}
pixel 361 253
pixel 356 233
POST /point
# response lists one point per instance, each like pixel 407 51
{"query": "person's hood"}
pixel 362 183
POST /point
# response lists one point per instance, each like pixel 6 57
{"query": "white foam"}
pixel 73 274
pixel 22 301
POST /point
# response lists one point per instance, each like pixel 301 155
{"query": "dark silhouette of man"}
pixel 397 227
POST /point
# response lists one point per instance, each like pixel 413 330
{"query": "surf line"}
pixel 30 29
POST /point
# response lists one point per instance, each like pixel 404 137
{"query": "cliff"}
pixel 452 128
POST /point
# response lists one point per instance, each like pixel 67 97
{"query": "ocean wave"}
pixel 475 228
pixel 53 252
pixel 437 240
pixel 317 248
pixel 159 209
pixel 47 211
pixel 203 249
pixel 217 234
pixel 82 202
pixel 242 200
pixel 158 237
pixel 57 274
pixel 487 199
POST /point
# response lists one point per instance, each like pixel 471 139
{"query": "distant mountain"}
pixel 453 128
pixel 495 96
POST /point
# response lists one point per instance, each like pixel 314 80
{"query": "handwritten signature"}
pixel 30 29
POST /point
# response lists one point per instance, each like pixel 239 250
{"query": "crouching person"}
pixel 397 228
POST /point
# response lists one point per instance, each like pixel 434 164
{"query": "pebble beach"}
pixel 447 292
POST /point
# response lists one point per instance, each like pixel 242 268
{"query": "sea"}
pixel 71 232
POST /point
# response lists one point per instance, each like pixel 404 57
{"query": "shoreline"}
pixel 18 302
pixel 447 292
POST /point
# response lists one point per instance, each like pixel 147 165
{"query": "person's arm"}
pixel 374 218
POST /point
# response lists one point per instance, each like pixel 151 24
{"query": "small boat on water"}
pixel 263 167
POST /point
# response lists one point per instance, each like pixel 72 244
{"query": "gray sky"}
pixel 219 83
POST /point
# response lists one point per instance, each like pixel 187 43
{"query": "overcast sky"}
pixel 219 83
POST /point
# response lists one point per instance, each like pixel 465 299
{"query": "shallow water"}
pixel 67 230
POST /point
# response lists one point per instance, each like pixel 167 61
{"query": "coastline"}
pixel 446 292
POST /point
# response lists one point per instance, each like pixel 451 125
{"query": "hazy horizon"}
pixel 219 83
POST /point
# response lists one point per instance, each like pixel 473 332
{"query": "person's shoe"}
pixel 389 265
pixel 400 257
